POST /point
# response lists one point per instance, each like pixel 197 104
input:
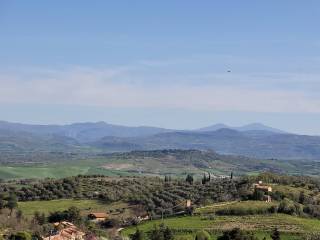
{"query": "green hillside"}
pixel 156 163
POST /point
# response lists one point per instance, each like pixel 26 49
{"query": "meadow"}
pixel 58 170
pixel 240 207
pixel 28 208
pixel 85 206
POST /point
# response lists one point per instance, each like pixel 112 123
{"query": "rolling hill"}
pixel 257 144
pixel 82 132
pixel 248 127
pixel 254 140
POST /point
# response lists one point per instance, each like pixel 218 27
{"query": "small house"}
pixel 98 216
pixel 265 189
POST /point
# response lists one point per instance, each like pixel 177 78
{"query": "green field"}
pixel 162 162
pixel 262 224
pixel 245 206
pixel 28 208
pixel 291 227
pixel 58 170
pixel 85 206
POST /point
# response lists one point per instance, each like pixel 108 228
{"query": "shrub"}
pixel 20 236
pixel 237 234
pixel 202 235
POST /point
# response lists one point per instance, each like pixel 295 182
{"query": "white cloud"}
pixel 117 87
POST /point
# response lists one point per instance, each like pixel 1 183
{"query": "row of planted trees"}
pixel 165 233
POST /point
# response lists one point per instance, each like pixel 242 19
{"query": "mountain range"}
pixel 253 140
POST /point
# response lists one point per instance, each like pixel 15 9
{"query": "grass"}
pixel 245 206
pixel 116 209
pixel 58 170
pixel 260 224
pixel 291 227
pixel 28 208
pixel 86 206
pixel 7 172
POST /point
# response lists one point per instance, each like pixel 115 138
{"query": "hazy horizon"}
pixel 168 64
pixel 251 124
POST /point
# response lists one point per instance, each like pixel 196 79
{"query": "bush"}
pixel 20 236
pixel 138 235
pixel 289 207
pixel 237 234
pixel 202 235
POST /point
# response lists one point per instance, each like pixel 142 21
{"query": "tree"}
pixel 166 178
pixel 12 202
pixel 2 201
pixel 20 236
pixel 74 214
pixel 156 234
pixel 302 197
pixel 39 218
pixel 275 235
pixel 162 233
pixel 57 216
pixel 202 235
pixel 167 234
pixel 258 195
pixel 19 215
pixel 138 235
pixel 189 179
pixel 237 234
pixel 204 179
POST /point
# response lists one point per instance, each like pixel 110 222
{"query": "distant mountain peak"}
pixel 259 127
pixel 214 127
pixel 248 127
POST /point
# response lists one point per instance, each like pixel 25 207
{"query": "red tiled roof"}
pixel 99 215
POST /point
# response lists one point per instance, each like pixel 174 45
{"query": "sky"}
pixel 170 63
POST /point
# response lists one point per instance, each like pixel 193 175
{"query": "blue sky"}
pixel 177 64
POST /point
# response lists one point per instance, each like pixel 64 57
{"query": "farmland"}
pixel 152 163
pixel 292 227
pixel 245 207
pixel 28 208
pixel 217 204
pixel 257 223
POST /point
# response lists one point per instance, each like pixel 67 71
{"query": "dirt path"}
pixel 219 204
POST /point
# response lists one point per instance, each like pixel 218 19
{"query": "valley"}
pixel 153 163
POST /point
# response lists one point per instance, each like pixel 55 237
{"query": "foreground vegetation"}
pixel 218 205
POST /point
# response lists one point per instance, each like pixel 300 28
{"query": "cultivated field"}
pixel 237 207
pixel 261 224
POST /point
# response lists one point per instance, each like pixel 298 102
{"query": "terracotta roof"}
pixel 54 237
pixel 67 233
pixel 99 215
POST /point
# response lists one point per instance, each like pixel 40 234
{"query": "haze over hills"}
pixel 248 127
pixel 258 144
pixel 90 131
pixel 253 140
pixel 83 132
